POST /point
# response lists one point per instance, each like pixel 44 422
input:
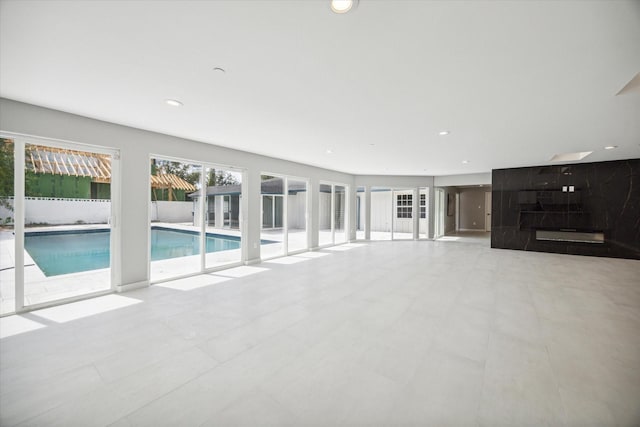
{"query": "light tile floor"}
pixel 428 333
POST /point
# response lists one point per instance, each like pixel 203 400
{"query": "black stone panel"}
pixel 601 197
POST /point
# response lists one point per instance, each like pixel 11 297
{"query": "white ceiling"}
pixel 514 82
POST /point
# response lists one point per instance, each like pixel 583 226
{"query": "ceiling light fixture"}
pixel 610 147
pixel 343 6
pixel 173 102
pixel 443 132
pixel 329 151
pixel 464 162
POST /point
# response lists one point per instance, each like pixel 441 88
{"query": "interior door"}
pixel 487 211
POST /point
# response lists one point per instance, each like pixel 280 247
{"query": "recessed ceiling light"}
pixel 219 70
pixel 343 6
pixel 173 102
pixel 443 132
pixel 464 162
pixel 610 147
pixel 329 151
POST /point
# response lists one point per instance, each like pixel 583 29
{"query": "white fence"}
pixel 59 211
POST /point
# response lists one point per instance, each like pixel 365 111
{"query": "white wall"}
pixel 165 211
pixel 381 211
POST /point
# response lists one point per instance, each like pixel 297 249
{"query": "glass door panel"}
pixel 340 212
pixel 176 218
pixel 272 232
pixel 223 234
pixel 324 215
pixel 7 237
pixel 67 216
pixel 360 213
pixel 296 215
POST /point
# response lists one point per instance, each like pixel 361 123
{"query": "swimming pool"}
pixel 64 252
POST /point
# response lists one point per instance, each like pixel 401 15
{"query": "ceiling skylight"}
pixel 570 157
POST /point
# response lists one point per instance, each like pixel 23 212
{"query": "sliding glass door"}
pixel 332 214
pixel 59 229
pixel 297 215
pixel 195 221
pixel 284 216
pixel 272 233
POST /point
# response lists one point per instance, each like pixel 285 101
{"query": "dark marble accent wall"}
pixel 605 201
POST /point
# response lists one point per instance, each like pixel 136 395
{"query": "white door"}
pixel 487 211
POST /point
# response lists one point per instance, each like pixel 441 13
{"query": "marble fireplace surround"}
pixel 580 209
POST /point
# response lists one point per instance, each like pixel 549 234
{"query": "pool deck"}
pixel 41 289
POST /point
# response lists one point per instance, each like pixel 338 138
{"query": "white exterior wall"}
pixel 381 210
pixel 325 211
pixel 296 210
pixel 165 211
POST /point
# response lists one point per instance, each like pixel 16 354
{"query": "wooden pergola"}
pixel 60 161
pixel 97 166
pixel 170 182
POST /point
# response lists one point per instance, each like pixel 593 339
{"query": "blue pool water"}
pixel 64 252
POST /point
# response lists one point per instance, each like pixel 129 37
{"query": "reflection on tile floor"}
pixel 388 333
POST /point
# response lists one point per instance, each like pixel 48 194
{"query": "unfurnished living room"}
pixel 320 212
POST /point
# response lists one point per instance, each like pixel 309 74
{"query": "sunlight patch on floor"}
pixel 78 310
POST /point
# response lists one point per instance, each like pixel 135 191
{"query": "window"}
pixel 423 206
pixel 404 205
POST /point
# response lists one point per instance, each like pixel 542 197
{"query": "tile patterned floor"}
pixel 387 333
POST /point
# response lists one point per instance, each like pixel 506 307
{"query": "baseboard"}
pixel 253 261
pixel 471 229
pixel 132 286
